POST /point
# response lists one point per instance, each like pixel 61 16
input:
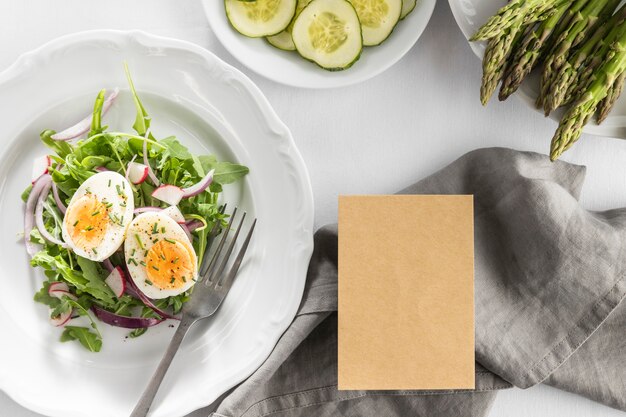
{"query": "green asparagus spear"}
pixel 507 16
pixel 586 74
pixel 572 123
pixel 496 57
pixel 527 55
pixel 605 106
pixel 596 47
pixel 582 23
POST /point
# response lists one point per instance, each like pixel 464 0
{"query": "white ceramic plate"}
pixel 290 69
pixel 209 106
pixel 471 14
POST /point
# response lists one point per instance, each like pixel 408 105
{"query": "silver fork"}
pixel 208 293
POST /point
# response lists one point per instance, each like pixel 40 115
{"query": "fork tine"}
pixel 210 239
pixel 216 273
pixel 207 271
pixel 230 277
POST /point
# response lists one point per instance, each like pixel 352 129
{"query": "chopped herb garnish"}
pixel 132 253
pixel 89 228
pixel 163 230
pixel 132 261
pixel 184 279
pixel 142 263
pixel 172 280
pixel 94 250
pixel 175 260
pixel 155 228
pixel 109 183
pixel 139 241
pixel 155 268
pixel 147 281
pixel 169 240
pixel 75 223
pixel 162 256
pixel 95 213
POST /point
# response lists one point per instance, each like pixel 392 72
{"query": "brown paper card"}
pixel 406 292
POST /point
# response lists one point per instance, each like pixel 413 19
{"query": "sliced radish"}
pixel 170 194
pixel 58 286
pixel 116 281
pixel 84 125
pixel 200 186
pixel 61 319
pixel 137 173
pixel 175 214
pixel 41 165
pixel 60 290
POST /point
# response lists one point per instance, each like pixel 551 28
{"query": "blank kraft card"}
pixel 406 292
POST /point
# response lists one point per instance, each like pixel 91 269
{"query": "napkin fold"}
pixel 549 285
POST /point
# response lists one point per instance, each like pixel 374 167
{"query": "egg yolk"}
pixel 169 264
pixel 87 221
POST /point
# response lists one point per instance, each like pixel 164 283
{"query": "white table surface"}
pixel 376 137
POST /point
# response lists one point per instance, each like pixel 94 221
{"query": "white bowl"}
pixel 210 107
pixel 290 69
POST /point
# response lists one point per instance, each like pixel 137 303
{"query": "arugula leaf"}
pixel 95 276
pixel 142 120
pixel 89 281
pixel 62 148
pixel 225 172
pixel 173 149
pixel 42 296
pixel 85 336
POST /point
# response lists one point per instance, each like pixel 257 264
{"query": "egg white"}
pixel 104 186
pixel 139 241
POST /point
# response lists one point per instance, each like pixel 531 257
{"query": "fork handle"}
pixel 143 406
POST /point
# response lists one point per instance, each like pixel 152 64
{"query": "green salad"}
pixel 118 222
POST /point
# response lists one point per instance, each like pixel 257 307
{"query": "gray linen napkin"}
pixel 549 282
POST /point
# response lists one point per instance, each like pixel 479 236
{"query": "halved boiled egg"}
pixel 159 256
pixel 97 216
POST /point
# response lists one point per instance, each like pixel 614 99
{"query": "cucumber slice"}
pixel 407 7
pixel 283 39
pixel 378 18
pixel 328 33
pixel 260 17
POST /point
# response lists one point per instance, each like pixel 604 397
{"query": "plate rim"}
pixel 344 82
pixel 306 216
pixel 605 131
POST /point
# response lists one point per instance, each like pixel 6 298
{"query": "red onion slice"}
pixel 29 214
pixel 194 224
pixel 108 265
pixel 39 216
pixel 186 230
pixel 57 199
pixel 153 177
pixel 200 186
pixel 133 290
pixel 101 169
pixel 124 321
pixel 84 125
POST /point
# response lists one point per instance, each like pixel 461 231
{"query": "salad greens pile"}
pixel 72 164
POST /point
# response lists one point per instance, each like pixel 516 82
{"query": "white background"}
pixel 375 137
